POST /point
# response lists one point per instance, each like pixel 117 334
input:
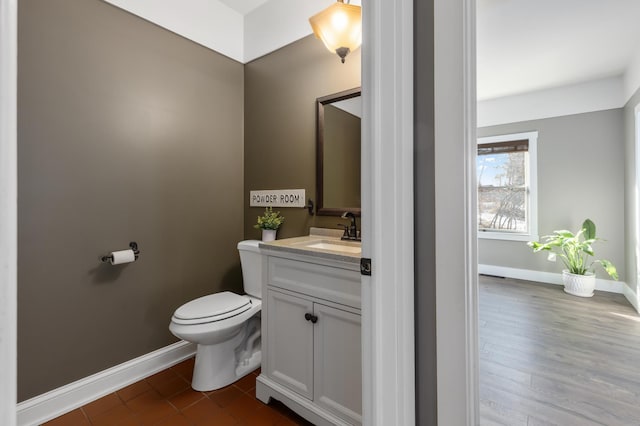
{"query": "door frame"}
pixel 634 297
pixel 8 209
pixel 455 210
pixel 387 214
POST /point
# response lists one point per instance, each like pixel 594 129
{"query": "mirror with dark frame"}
pixel 338 153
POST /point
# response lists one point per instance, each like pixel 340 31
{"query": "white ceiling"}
pixel 240 29
pixel 526 45
pixel 523 46
pixel 243 6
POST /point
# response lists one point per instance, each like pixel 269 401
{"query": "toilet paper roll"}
pixel 122 256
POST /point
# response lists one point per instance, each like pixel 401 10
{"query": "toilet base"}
pixel 220 365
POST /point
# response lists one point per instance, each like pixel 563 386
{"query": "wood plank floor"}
pixel 548 358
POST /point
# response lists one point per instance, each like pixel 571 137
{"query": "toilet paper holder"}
pixel 133 245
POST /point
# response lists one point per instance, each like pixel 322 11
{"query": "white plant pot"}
pixel 579 285
pixel 269 234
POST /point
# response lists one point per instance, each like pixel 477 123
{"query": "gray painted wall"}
pixel 126 132
pixel 580 175
pixel 631 271
pixel 280 125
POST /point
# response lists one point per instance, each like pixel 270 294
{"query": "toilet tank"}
pixel 251 261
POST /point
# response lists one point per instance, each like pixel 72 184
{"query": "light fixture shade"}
pixel 339 27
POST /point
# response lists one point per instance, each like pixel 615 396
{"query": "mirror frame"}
pixel 320 103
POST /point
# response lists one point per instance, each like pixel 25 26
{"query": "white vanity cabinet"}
pixel 311 351
pixel 289 357
pixel 337 385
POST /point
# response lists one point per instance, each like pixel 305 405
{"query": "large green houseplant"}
pixel 575 251
pixel 269 222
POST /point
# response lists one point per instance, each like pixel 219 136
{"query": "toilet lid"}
pixel 214 307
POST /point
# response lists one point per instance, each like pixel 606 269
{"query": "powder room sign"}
pixel 278 198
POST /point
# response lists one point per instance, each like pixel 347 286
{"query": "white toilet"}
pixel 226 327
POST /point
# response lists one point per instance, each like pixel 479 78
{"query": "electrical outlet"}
pixel 551 257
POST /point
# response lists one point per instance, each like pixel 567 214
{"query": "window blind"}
pixel 503 147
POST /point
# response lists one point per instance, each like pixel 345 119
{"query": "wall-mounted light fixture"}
pixel 339 27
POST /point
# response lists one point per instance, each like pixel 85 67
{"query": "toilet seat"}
pixel 212 308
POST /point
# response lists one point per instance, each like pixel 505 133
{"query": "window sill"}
pixel 488 235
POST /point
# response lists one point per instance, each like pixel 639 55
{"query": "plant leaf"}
pixel 564 233
pixel 575 249
pixel 589 229
pixel 611 270
pixel 536 246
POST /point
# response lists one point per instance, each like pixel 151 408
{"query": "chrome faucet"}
pixel 351 231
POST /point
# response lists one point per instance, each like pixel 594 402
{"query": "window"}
pixel 507 195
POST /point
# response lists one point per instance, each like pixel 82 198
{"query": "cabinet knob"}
pixel 311 317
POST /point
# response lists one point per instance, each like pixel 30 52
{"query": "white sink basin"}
pixel 323 245
pixel 349 248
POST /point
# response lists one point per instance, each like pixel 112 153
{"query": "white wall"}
pixel 598 95
pixel 631 207
pixel 632 77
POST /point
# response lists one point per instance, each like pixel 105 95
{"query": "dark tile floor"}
pixel 166 398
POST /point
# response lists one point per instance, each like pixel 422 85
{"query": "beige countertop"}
pixel 320 242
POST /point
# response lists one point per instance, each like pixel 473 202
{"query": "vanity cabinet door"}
pixel 338 362
pixel 290 345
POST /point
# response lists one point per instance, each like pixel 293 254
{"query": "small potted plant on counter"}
pixel 575 250
pixel 269 222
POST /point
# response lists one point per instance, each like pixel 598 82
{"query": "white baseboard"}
pixel 548 277
pixel 59 401
pixel 632 297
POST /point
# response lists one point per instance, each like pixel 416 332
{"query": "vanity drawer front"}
pixel 324 282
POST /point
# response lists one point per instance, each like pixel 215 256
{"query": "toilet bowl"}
pixel 225 326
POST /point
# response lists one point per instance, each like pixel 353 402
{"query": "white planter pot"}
pixel 579 285
pixel 269 234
